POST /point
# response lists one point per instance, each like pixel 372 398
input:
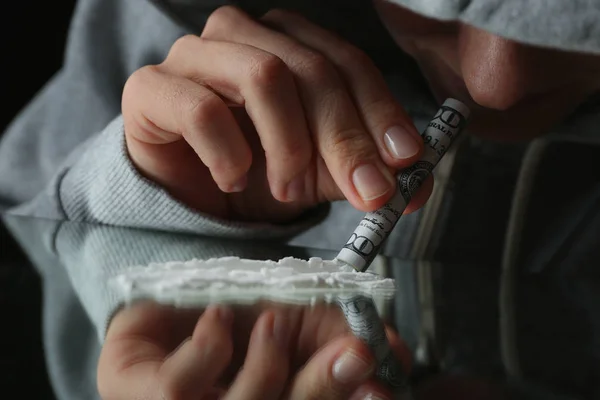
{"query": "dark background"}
pixel 33 38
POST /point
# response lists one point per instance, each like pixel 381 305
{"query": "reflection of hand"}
pixel 260 123
pixel 292 353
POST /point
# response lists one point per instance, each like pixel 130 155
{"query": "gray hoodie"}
pixel 64 156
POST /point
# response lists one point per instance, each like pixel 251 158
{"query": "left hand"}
pixel 292 353
pixel 261 120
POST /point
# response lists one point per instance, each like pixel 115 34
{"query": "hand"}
pixel 248 122
pixel 293 353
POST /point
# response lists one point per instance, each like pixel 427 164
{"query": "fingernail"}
pixel 240 185
pixel 281 331
pixel 223 313
pixel 372 182
pixel 350 368
pixel 401 144
pixel 295 189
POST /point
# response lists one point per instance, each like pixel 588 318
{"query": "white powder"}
pixel 240 280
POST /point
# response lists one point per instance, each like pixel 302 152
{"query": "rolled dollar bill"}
pixel 364 322
pixel 367 239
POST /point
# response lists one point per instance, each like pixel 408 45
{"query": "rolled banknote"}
pixel 365 323
pixel 367 239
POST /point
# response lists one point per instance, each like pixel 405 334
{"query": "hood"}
pixel 572 25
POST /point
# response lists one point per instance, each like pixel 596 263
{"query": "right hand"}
pixel 265 351
pixel 251 123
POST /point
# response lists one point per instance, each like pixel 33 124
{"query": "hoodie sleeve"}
pixel 64 157
pixel 92 255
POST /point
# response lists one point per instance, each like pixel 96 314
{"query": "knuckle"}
pixel 267 70
pixel 220 20
pixel 352 56
pixel 183 45
pixel 294 156
pixel 136 84
pixel 316 68
pixel 200 110
pixel 350 144
pixel 138 79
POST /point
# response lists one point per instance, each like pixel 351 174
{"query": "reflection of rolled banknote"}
pixel 363 246
pixel 364 321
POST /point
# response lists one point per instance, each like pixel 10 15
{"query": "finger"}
pixel 160 109
pixel 133 351
pixel 320 325
pixel 324 323
pixel 398 141
pixel 264 85
pixel 135 361
pixel 192 370
pixel 334 372
pixel 346 147
pixel 372 390
pixel 421 196
pixel 266 367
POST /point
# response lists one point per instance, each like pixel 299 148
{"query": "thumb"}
pixel 335 371
pixel 329 191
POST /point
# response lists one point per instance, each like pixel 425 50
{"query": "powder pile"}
pixel 233 278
